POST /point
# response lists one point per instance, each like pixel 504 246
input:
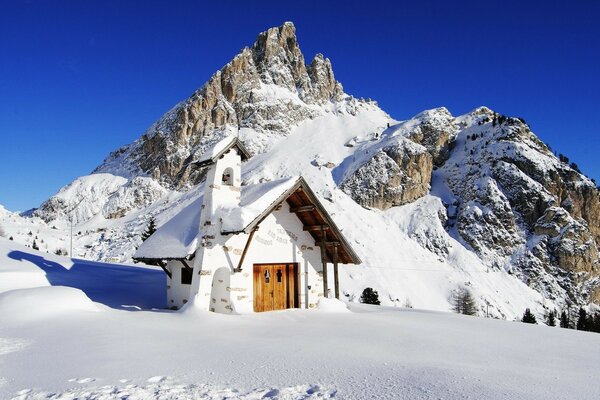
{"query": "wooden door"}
pixel 275 287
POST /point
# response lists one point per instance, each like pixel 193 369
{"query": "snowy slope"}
pixel 55 342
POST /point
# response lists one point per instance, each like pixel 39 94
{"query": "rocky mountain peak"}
pixel 279 60
pixel 266 88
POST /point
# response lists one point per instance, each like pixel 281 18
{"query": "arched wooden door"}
pixel 275 286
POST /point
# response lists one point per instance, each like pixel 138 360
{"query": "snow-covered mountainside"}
pixel 430 204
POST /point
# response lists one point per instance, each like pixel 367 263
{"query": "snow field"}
pixel 79 349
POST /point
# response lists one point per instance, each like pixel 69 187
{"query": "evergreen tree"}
pixel 463 302
pixel 370 296
pixel 564 320
pixel 594 321
pixel 551 319
pixel 528 317
pixel 575 167
pixel 150 229
pixel 34 245
pixel 582 322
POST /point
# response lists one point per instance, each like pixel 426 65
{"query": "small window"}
pixel 186 276
pixel 267 276
pixel 227 178
pixel 279 275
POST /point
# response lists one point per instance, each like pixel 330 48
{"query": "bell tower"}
pixel 222 192
pixel 222 187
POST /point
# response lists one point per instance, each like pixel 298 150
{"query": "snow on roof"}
pixel 179 237
pixel 221 147
pixel 254 201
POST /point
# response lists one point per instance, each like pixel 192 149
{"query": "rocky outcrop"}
pixel 100 194
pixel 398 173
pixel 435 130
pixel 137 193
pixel 507 197
pixel 267 88
pixel 522 209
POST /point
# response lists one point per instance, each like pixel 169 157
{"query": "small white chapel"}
pixel 252 248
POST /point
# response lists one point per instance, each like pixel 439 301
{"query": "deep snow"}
pixel 82 349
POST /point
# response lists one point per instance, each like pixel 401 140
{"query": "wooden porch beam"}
pixel 164 268
pixel 324 261
pixel 336 280
pixel 315 227
pixel 334 243
pixel 185 264
pixel 302 209
pixel 246 247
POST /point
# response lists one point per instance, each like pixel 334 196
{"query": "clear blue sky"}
pixel 79 79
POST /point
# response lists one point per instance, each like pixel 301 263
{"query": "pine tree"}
pixel 564 320
pixel 34 245
pixel 551 319
pixel 150 229
pixel 463 302
pixel 370 296
pixel 582 322
pixel 528 317
pixel 595 322
pixel 575 167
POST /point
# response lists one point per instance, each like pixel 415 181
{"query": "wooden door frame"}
pixel 293 285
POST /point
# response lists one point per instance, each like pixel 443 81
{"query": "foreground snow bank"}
pixel 52 345
pixel 332 305
pixel 114 285
pixel 43 302
pixel 369 352
pixel 181 392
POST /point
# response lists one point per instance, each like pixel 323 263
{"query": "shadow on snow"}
pixel 117 286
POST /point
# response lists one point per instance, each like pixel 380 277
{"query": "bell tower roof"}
pixel 212 154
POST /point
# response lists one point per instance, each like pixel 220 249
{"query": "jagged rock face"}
pixel 396 168
pixel 267 88
pixel 137 193
pixel 508 198
pixel 522 209
pixel 435 131
pixel 397 174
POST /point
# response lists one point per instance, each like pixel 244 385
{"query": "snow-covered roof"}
pixel 218 149
pixel 255 200
pixel 179 237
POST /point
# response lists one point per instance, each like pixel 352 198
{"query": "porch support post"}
pixel 246 247
pixel 162 264
pixel 335 272
pixel 324 260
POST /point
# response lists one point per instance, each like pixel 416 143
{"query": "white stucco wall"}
pixel 177 293
pixel 279 239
